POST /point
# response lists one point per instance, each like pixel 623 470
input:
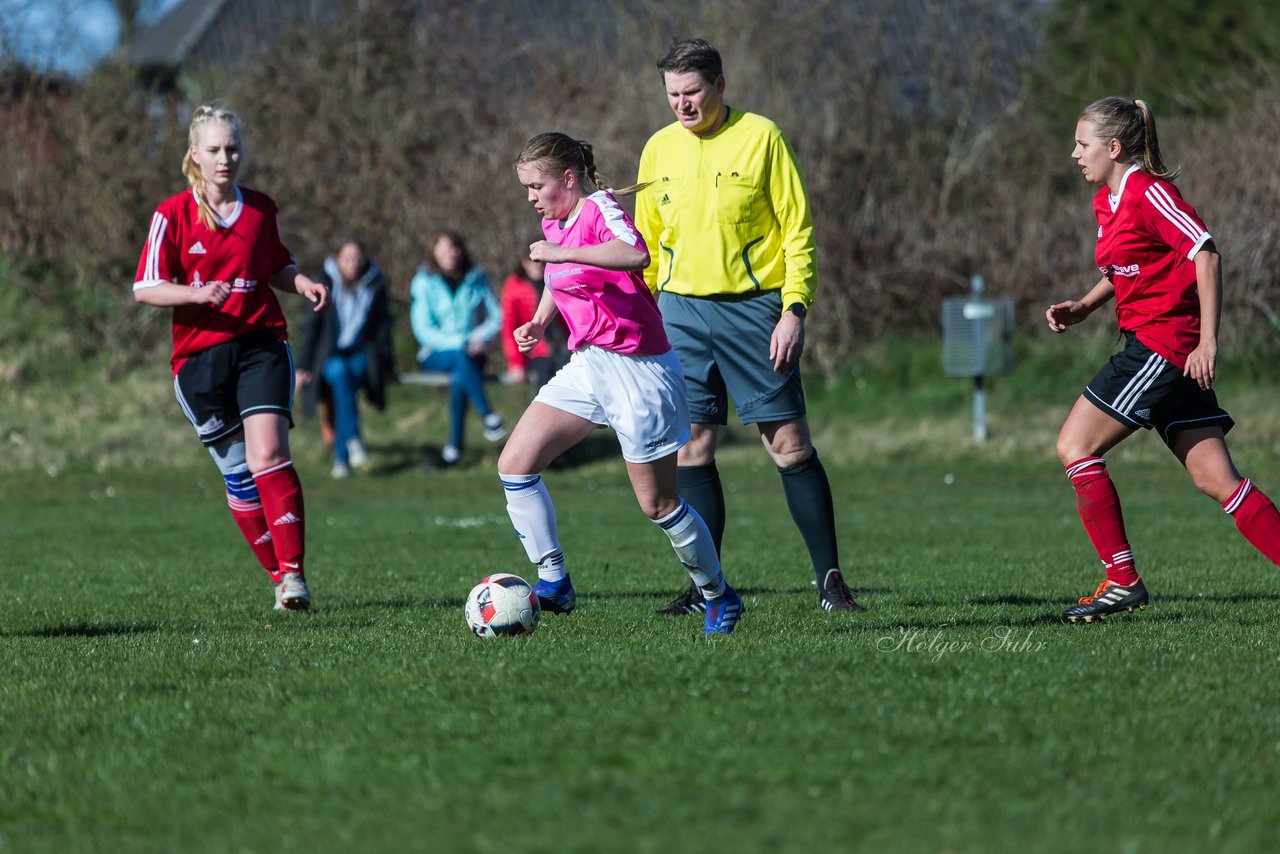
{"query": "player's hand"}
pixel 303 378
pixel 787 342
pixel 1060 315
pixel 1202 365
pixel 546 251
pixel 317 293
pixel 213 293
pixel 528 335
pixel 476 347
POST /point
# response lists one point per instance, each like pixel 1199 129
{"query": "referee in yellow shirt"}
pixel 727 220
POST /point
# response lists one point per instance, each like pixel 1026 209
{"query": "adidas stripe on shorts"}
pixel 1140 388
pixel 640 397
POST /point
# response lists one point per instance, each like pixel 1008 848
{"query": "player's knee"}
pixel 787 450
pixel 658 506
pixel 1070 450
pixel 1216 486
pixel 700 450
pixel 261 459
pixel 515 460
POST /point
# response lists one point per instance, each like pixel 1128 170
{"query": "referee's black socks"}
pixel 700 487
pixel 809 498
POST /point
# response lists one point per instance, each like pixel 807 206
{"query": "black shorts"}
pixel 723 345
pixel 1140 388
pixel 249 375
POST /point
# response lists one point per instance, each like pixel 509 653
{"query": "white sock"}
pixel 691 538
pixel 534 518
pixel 551 568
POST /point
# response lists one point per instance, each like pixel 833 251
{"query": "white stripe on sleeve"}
pixel 614 218
pixel 1164 203
pixel 154 239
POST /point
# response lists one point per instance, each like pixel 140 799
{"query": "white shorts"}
pixel 640 397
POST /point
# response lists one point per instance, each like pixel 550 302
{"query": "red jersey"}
pixel 245 251
pixel 1147 236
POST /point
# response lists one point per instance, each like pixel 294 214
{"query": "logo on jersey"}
pixel 213 425
pixel 244 286
pixel 197 248
pixel 665 200
pixel 1142 413
pixel 1129 271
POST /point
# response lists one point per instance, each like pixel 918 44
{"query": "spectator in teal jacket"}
pixel 455 316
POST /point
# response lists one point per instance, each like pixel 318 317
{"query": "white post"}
pixel 976 285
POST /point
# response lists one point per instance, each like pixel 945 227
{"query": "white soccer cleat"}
pixel 292 593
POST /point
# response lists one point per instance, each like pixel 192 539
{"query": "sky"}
pixel 64 35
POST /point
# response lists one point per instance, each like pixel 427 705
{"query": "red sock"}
pixel 282 507
pixel 253 525
pixel 1099 507
pixel 1256 518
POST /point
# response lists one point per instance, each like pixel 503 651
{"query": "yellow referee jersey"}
pixel 726 214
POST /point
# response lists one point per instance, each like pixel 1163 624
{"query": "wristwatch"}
pixel 798 309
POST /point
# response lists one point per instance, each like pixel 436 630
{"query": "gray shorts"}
pixel 723 344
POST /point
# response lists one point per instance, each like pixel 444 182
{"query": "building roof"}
pixel 224 32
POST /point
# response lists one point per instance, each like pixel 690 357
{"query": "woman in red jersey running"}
pixel 213 255
pixel 1161 265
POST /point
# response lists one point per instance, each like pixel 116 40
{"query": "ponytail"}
pixel 1151 159
pixel 203 115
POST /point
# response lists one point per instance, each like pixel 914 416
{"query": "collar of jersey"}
pixel 1114 200
pixel 235 214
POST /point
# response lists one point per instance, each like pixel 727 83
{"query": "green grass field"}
pixel 150 700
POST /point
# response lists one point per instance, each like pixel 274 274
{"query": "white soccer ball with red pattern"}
pixel 503 604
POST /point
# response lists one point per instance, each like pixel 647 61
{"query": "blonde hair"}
pixel 557 152
pixel 1134 125
pixel 205 114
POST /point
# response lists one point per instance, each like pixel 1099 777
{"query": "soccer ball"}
pixel 502 604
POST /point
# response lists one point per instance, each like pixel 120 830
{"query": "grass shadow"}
pixel 83 630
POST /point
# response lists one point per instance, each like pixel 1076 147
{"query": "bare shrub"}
pixel 909 117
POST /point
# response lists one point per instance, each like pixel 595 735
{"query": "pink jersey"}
pixel 604 308
pixel 245 252
pixel 1147 236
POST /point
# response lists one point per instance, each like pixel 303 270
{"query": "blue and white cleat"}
pixel 723 612
pixel 556 597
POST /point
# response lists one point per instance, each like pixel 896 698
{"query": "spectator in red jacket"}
pixel 520 295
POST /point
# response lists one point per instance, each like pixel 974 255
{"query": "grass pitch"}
pixel 152 701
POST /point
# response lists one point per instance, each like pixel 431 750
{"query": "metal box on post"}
pixel 977 341
pixel 977 336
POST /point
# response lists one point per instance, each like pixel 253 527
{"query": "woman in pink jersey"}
pixel 1161 265
pixel 622 374
pixel 213 255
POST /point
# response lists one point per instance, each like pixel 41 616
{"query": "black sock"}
pixel 700 486
pixel 809 498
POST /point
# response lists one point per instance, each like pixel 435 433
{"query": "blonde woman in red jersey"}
pixel 1161 265
pixel 213 255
